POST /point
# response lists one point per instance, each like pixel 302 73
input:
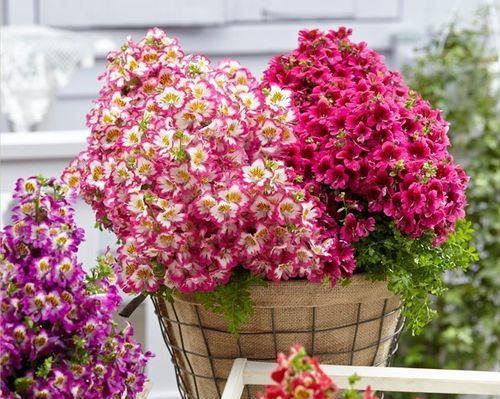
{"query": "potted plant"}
pixel 57 336
pixel 245 227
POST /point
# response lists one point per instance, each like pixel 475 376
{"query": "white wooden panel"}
pixel 244 10
pixel 262 10
pixel 4 123
pixel 160 369
pixel 51 146
pixel 258 38
pixel 91 13
pixel 310 9
pixel 395 379
pixel 379 8
pixel 68 113
pixel 444 11
pixel 84 81
pixel 3 12
pixel 5 207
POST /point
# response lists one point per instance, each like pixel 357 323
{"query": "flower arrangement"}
pixel 212 184
pixel 300 376
pixel 56 332
pixel 376 154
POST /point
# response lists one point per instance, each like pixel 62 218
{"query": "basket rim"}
pixel 306 294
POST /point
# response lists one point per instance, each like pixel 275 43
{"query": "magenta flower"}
pixel 367 145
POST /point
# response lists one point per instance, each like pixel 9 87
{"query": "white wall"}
pixel 250 31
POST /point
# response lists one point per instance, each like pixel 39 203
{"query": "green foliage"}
pixel 461 76
pixel 79 354
pixel 299 362
pixel 103 270
pixel 351 392
pixel 414 268
pixel 22 384
pixel 233 300
pixel 44 369
pixel 166 293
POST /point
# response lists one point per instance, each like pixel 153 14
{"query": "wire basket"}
pixel 354 325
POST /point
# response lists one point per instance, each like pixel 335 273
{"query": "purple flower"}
pixel 56 332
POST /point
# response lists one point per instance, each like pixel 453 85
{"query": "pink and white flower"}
pixel 184 165
pixel 256 173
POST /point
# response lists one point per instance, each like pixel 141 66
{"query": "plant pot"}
pixel 353 325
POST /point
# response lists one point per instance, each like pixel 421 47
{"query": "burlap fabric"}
pixel 357 324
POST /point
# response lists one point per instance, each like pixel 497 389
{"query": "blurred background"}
pixel 250 31
pixel 52 52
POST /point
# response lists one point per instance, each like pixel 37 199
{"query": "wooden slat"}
pixel 395 379
pixel 112 13
pixel 234 385
pixel 379 9
pixel 42 145
pixel 253 38
pixel 311 9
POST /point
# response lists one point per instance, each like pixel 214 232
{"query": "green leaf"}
pixel 353 379
pixel 44 369
pixel 166 293
pixel 414 268
pixel 460 77
pixel 233 300
pixel 22 384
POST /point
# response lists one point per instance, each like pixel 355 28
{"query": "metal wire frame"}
pixel 177 353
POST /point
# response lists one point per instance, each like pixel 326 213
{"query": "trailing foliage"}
pixel 233 300
pixel 414 267
pixel 461 76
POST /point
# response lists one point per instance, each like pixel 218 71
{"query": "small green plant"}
pixel 414 267
pixel 233 300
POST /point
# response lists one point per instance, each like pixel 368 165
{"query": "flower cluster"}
pixel 300 376
pixel 182 166
pixel 366 144
pixel 56 332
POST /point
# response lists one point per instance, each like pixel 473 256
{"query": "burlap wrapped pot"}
pixel 357 324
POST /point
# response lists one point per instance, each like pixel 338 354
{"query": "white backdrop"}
pixel 250 31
